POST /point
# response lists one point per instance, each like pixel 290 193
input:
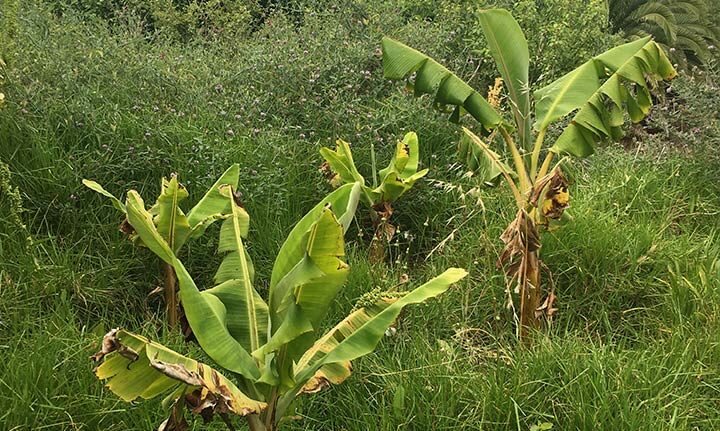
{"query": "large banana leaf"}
pixel 598 90
pixel 211 313
pixel 171 222
pixel 509 48
pixel 400 61
pixel 213 204
pixel 343 202
pixel 137 367
pixel 308 289
pixel 351 342
pixel 208 317
pixel 247 313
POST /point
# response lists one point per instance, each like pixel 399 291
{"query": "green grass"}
pixel 633 346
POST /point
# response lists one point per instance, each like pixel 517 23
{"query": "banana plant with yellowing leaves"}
pixel 172 223
pixel 268 351
pixel 394 180
pixel 586 106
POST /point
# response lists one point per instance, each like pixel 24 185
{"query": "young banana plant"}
pixel 273 350
pixel 595 96
pixel 172 224
pixel 396 179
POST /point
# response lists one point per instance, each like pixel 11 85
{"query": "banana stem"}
pixel 546 164
pixel 170 292
pixel 477 141
pixel 536 154
pixel 517 159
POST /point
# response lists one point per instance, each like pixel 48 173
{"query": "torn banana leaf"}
pixel 400 61
pixel 213 206
pixel 349 342
pixel 599 90
pixel 136 367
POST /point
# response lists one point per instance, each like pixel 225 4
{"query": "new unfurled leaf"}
pixel 509 48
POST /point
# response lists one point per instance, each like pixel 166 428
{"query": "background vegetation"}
pixel 126 92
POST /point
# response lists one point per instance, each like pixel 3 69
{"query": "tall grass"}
pixel 633 345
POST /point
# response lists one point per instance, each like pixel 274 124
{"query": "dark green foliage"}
pixel 684 28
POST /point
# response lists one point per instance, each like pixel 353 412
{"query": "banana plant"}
pixel 586 106
pixel 267 351
pixel 396 179
pixel 172 223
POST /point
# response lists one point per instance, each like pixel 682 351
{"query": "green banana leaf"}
pixel 92 185
pixel 246 312
pixel 136 367
pixel 343 203
pixel 480 163
pixel 142 221
pixel 170 221
pixel 212 205
pixel 400 61
pixel 598 90
pixel 307 291
pixel 509 48
pixel 341 162
pixel 362 340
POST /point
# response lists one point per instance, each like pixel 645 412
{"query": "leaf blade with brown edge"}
pixel 364 339
pixel 154 369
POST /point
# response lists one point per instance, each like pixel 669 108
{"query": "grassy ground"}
pixel 633 346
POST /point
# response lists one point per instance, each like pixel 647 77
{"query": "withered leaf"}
pixel 553 189
pixel 111 344
pixel 178 372
pixel 176 421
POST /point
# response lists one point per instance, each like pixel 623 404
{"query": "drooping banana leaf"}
pixel 171 222
pixel 213 205
pixel 599 90
pixel 136 367
pixel 208 317
pixel 353 342
pixel 400 61
pixel 92 185
pixel 337 372
pixel 509 48
pixel 247 314
pixel 480 163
